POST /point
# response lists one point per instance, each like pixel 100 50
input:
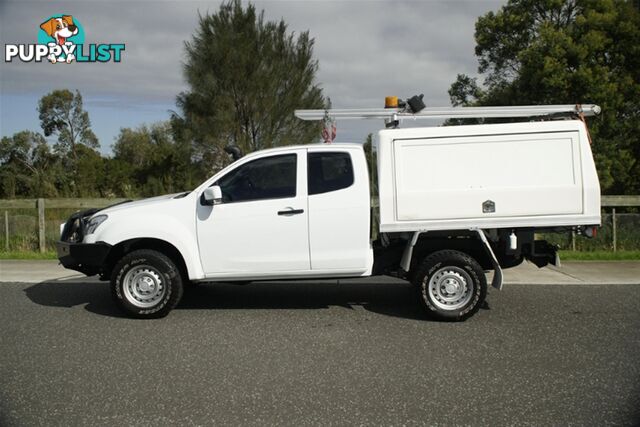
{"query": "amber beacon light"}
pixel 391 102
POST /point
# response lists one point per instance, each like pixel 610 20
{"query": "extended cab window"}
pixel 267 178
pixel 329 172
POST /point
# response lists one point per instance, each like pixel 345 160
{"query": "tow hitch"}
pixel 543 253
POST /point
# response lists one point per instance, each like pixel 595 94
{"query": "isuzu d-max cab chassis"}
pixel 455 202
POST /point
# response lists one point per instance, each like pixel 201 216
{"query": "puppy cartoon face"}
pixel 60 28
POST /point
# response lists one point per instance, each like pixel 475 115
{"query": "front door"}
pixel 261 226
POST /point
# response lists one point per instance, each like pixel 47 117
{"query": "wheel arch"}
pixel 474 244
pixel 466 243
pixel 121 249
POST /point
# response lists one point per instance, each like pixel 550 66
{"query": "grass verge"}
pixel 27 255
pixel 599 256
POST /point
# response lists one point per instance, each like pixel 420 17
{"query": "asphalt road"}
pixel 299 353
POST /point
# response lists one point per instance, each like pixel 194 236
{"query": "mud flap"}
pixel 497 270
pixel 405 263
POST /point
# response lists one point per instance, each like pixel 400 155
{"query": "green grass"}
pixel 27 255
pixel 599 255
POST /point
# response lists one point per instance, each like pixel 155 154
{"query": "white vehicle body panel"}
pixel 333 241
pixel 251 238
pixel 339 221
pixel 538 174
pixel 164 218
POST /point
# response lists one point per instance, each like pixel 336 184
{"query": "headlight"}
pixel 94 223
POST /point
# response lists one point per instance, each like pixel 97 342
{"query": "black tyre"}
pixel 146 284
pixel 451 285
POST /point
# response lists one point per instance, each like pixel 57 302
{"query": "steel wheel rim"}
pixel 450 288
pixel 143 286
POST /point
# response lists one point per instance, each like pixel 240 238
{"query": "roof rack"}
pixel 399 114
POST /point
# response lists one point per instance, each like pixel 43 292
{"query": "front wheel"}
pixel 451 285
pixel 146 284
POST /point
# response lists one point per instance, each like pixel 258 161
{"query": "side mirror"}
pixel 212 195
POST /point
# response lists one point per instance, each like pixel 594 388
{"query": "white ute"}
pixel 454 203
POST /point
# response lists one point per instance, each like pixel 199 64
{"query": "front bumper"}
pixel 87 258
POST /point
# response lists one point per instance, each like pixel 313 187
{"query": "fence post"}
pixel 41 225
pixel 6 230
pixel 614 228
pixel 573 240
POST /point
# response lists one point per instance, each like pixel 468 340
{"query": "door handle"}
pixel 291 211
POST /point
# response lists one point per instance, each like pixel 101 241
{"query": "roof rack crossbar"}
pixel 586 110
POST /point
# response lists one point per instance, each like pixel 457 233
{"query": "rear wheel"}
pixel 146 284
pixel 451 285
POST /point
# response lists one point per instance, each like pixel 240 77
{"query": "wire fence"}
pixel 22 228
pixel 34 225
pixel 627 236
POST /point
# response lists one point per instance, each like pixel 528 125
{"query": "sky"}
pixel 366 50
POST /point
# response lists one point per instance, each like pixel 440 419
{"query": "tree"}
pixel 148 158
pixel 90 172
pixel 566 52
pixel 27 166
pixel 61 113
pixel 246 77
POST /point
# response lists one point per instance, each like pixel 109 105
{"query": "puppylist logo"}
pixel 61 41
